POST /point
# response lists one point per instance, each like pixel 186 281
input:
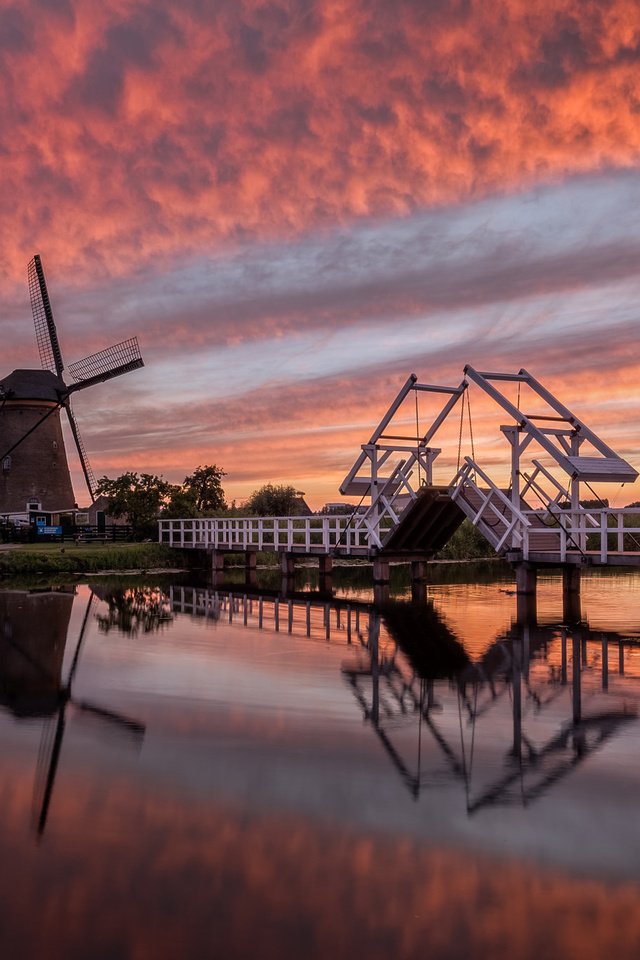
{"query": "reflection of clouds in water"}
pixel 299 886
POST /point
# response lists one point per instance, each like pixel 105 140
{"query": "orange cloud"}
pixel 139 130
pixel 140 139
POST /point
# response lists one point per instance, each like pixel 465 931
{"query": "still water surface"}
pixel 193 772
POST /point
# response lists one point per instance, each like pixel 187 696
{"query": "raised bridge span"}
pixel 529 486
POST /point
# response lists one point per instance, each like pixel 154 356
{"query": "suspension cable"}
pixel 460 433
pixel 418 438
pixel 473 452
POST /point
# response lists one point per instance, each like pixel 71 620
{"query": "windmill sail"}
pixel 46 334
pixel 82 453
pixel 107 364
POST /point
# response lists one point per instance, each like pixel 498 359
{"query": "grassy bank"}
pixel 53 558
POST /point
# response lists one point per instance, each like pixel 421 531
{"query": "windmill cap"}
pixel 33 385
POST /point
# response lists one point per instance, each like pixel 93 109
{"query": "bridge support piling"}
pixel 325 566
pixel 381 594
pixel 250 568
pixel 380 571
pixel 571 576
pixel 526 579
pixel 418 571
pixel 217 565
pixel 419 577
pixel 526 587
pixel 287 565
pixel 419 591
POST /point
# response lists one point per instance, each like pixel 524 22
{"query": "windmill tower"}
pixel 34 472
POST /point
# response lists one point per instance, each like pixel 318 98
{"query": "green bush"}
pixel 467 543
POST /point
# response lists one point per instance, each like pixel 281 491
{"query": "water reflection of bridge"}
pixel 564 691
pixel 560 692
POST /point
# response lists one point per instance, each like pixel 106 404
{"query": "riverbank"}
pixel 71 559
pixel 77 559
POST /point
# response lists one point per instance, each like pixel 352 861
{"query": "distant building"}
pixel 340 508
pixel 301 508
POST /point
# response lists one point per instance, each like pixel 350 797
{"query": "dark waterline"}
pixel 192 771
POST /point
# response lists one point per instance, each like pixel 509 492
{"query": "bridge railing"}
pixel 489 508
pixel 585 530
pixel 389 500
pixel 316 534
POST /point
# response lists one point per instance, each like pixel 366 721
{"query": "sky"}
pixel 294 204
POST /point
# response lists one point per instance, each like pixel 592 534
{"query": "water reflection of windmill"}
pixel 53 733
pixel 33 634
pixel 34 463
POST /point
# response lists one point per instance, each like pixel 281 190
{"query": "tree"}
pixel 182 504
pixel 138 497
pixel 205 486
pixel 275 500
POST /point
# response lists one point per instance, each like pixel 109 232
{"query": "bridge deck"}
pixel 585 558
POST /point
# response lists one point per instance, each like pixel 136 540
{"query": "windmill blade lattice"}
pixel 106 364
pixel 82 453
pixel 46 333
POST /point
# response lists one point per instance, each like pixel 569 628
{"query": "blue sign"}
pixel 49 531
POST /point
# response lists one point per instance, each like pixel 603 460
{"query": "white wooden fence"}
pixel 307 535
pixel 605 535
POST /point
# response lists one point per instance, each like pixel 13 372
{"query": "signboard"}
pixel 49 531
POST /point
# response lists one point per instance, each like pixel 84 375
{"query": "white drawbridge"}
pixel 528 502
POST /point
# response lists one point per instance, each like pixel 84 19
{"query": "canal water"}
pixel 198 771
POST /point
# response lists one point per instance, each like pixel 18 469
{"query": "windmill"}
pixel 34 469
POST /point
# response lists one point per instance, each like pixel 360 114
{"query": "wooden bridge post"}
pixel 287 565
pixel 526 585
pixel 381 594
pixel 419 576
pixel 250 565
pixel 571 577
pixel 380 581
pixel 380 571
pixel 325 567
pixel 217 565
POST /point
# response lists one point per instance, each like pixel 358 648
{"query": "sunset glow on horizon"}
pixel 295 203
